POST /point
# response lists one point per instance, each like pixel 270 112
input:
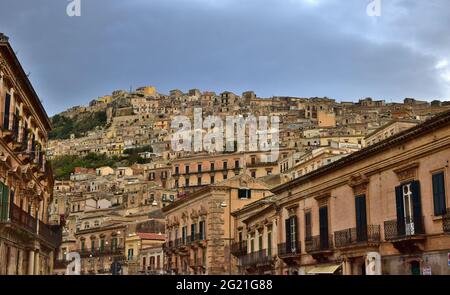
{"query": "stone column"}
pixel 37 263
pixel 31 262
pixel 51 259
pixel 347 267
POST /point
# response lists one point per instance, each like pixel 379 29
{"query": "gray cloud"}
pixel 274 47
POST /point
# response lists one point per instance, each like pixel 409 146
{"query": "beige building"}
pixel 27 241
pixel 381 210
pixel 388 130
pixel 200 229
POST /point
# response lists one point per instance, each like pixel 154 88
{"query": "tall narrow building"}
pixel 27 241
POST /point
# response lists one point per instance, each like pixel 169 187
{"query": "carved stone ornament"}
pixel 408 172
pixel 359 183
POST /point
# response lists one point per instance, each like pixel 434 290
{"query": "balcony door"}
pixel 361 218
pixel 7 110
pixel 4 192
pixel 409 209
pixel 323 222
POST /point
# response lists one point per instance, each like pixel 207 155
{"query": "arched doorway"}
pixel 415 268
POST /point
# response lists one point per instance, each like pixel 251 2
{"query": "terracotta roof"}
pixel 152 236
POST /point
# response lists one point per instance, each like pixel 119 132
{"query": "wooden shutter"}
pixel 439 194
pixel 7 110
pixel 3 204
pixel 400 211
pixel 361 218
pixel 323 222
pixel 417 207
pixel 288 234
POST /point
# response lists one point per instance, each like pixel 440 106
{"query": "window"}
pixel 269 243
pixel 184 234
pixel 212 166
pixel 92 245
pixel 114 244
pixel 244 194
pixel 409 208
pixel 225 165
pixel 361 218
pixel 291 233
pixel 102 244
pixel 323 226
pixel 225 176
pixel 83 245
pixel 177 170
pixel 193 231
pixel 199 180
pixel 96 223
pixel 308 227
pixel 186 168
pixel 439 194
pixel 201 230
pixel 212 179
pixel 253 174
pixel 130 254
pixel 199 167
pixel 236 163
pixel 260 241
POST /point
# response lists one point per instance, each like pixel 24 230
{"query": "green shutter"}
pixel 439 194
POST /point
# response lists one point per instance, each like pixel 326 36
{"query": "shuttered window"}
pixel 308 226
pixel 361 218
pixel 439 194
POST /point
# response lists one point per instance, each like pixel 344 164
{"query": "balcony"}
pixel 446 222
pixel 260 258
pixel 7 133
pixel 98 252
pixel 50 234
pixel 319 247
pixel 289 250
pixel 351 237
pixel 239 248
pixel 319 244
pixel 23 220
pixel 406 235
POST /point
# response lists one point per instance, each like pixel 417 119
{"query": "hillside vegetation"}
pixel 63 126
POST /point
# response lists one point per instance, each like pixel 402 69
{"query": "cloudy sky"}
pixel 275 47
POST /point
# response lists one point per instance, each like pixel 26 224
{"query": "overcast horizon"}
pixel 301 48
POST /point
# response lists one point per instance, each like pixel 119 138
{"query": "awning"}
pixel 324 269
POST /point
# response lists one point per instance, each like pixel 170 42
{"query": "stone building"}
pixel 27 242
pixel 381 210
pixel 200 229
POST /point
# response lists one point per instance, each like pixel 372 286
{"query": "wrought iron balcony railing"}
pixel 446 222
pixel 51 234
pixel 319 244
pixel 355 236
pixel 22 218
pixel 258 258
pixel 289 249
pixel 239 248
pixel 403 229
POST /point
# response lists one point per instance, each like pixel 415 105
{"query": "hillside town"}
pixel 356 187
